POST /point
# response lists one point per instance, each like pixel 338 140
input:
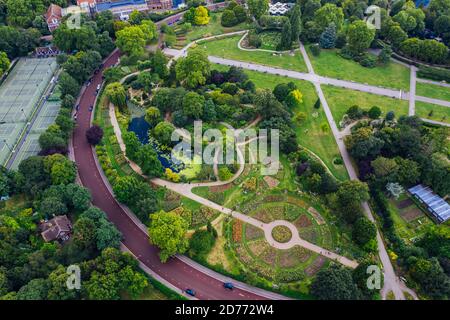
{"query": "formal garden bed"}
pixel 183 33
pixel 410 222
pixel 281 234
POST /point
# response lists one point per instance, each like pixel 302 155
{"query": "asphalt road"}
pixel 174 271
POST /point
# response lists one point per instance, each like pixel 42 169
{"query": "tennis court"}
pixel 44 118
pixel 19 97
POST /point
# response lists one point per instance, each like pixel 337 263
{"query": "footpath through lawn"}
pixel 227 48
pixel 330 64
pixel 313 133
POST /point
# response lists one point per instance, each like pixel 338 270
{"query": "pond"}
pixel 140 127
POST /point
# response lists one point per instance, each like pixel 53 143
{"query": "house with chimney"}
pixel 57 229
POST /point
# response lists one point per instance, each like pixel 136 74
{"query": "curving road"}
pixel 177 272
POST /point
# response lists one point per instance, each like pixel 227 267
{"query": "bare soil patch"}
pixel 317 264
pixel 404 203
pixel 220 188
pixel 263 215
pixel 303 222
pixel 252 233
pixel 292 257
pixel 411 214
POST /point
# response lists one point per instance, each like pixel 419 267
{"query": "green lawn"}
pixel 433 111
pixel 310 134
pixel 340 100
pixel 213 28
pixel 227 48
pixel 330 64
pixel 432 91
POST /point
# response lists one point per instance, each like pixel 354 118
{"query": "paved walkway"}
pixel 436 83
pixel 391 281
pixel 412 91
pixel 185 189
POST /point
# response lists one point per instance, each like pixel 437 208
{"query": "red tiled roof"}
pixel 54 11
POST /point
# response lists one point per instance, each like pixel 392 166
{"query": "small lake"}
pixel 140 127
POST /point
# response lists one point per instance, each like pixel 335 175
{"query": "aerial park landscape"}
pixel 239 150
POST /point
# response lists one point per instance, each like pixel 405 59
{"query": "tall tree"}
pixel 360 36
pixel 286 37
pixel 168 232
pixel 131 40
pixel 194 69
pixel 116 94
pixel 327 39
pixel 258 8
pixel 296 22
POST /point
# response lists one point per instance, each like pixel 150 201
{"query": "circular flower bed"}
pixel 281 234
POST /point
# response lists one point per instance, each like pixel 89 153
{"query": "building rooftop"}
pixel 58 228
pixel 111 4
pixel 437 206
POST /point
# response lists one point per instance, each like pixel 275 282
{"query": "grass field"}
pixel 330 64
pixel 340 100
pixel 213 28
pixel 227 48
pixel 309 132
pixel 432 91
pixel 433 112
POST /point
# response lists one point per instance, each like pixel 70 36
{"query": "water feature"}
pixel 140 127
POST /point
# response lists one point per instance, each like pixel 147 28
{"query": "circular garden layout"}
pixel 281 266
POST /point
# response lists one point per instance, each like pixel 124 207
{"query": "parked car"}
pixel 190 292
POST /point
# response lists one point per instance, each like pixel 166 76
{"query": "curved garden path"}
pixel 185 189
pixel 392 282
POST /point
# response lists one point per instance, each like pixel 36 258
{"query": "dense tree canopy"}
pixel 167 231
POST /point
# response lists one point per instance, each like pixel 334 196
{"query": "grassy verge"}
pixel 432 91
pixel 432 111
pixel 340 100
pixel 227 48
pixel 330 64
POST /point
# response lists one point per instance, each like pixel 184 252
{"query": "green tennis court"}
pixel 19 97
